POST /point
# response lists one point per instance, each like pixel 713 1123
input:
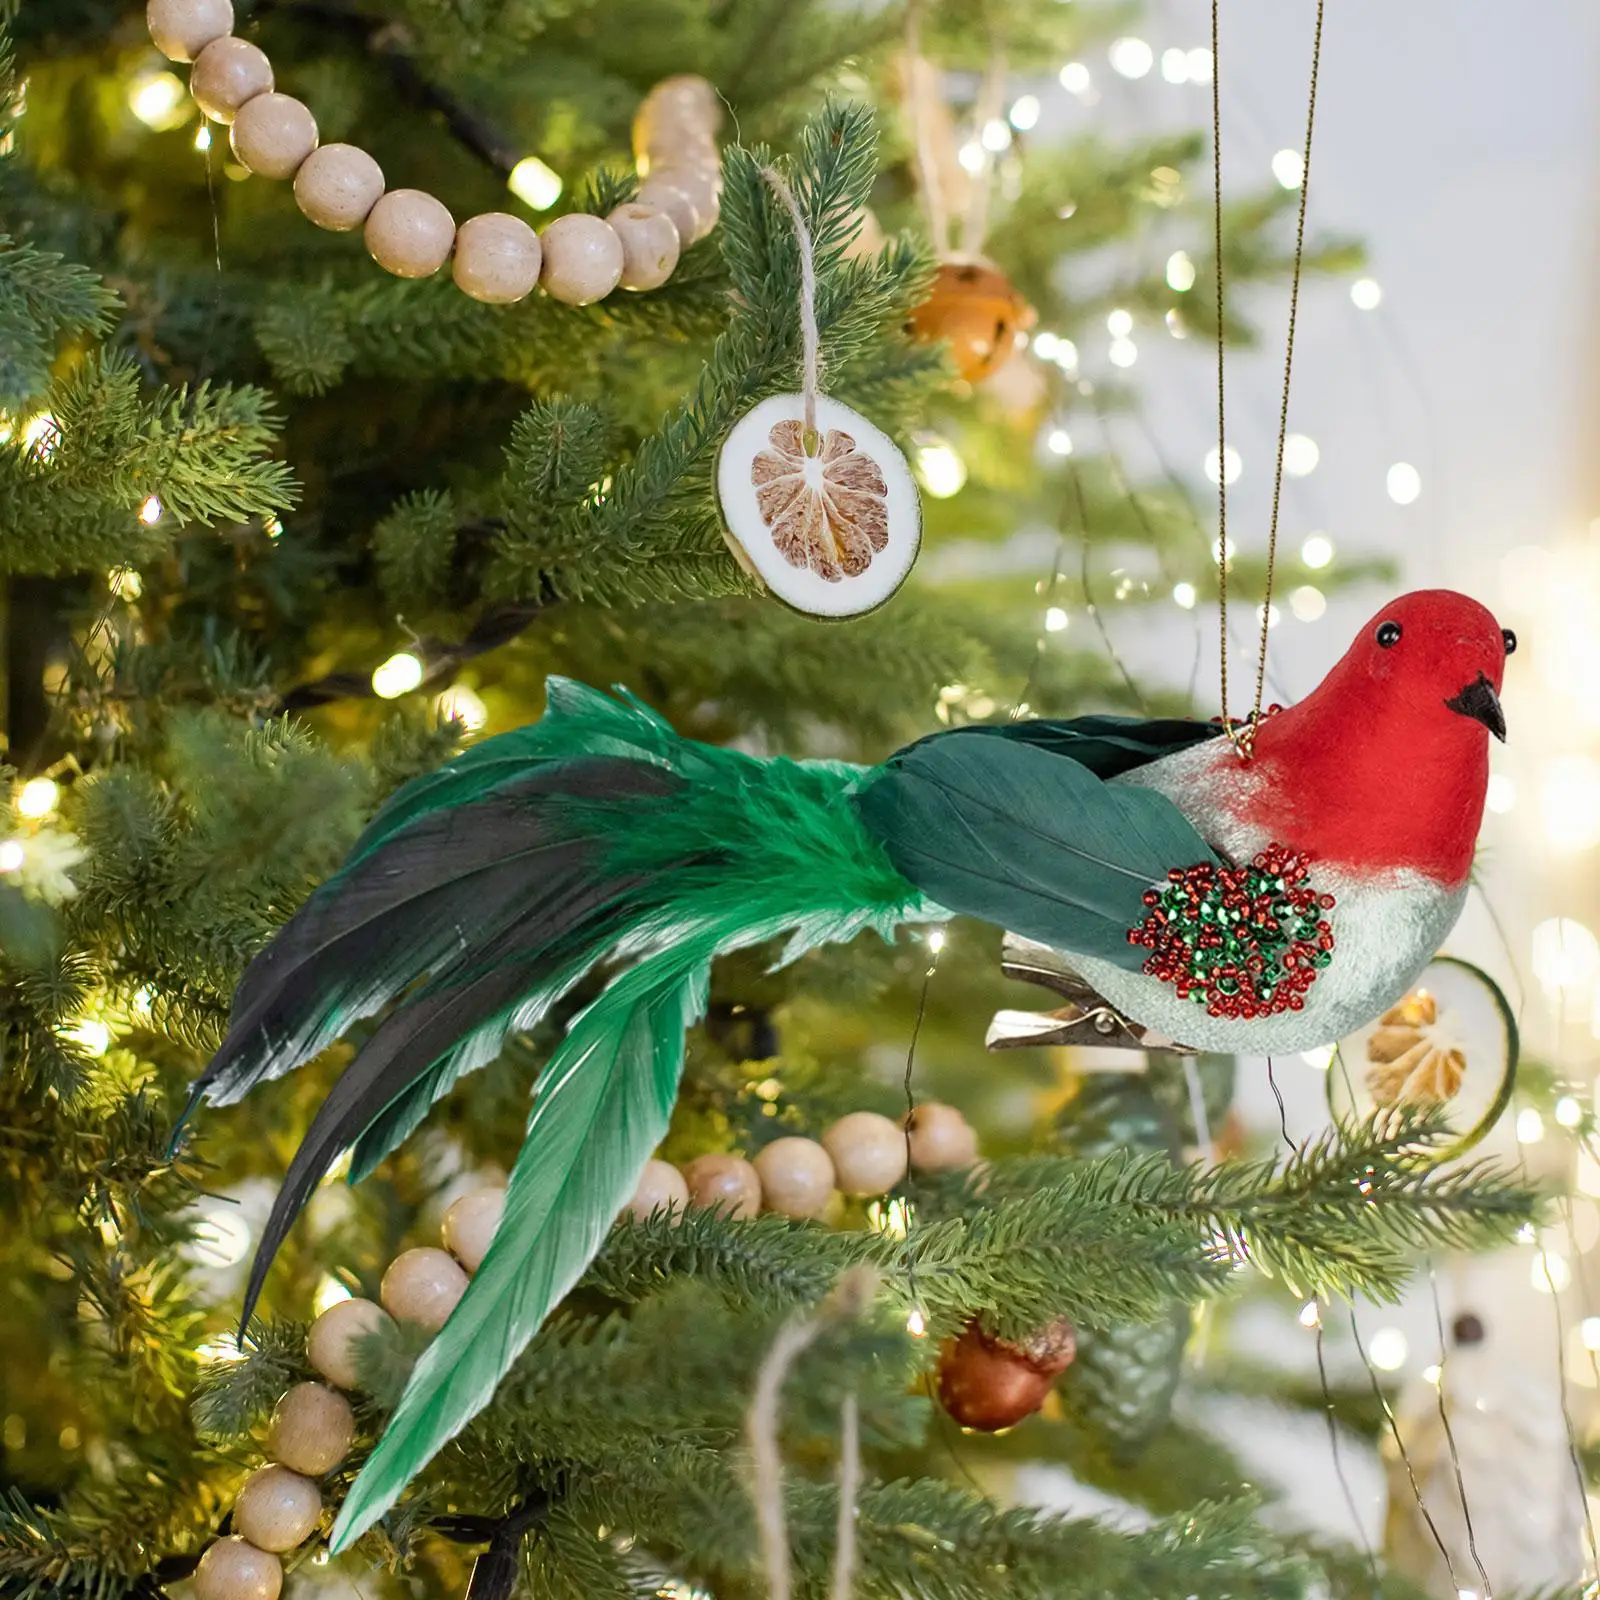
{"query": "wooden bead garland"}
pixel 499 259
pixel 862 1154
pixel 313 1425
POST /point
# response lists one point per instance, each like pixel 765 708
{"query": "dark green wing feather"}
pixel 1107 745
pixel 1008 830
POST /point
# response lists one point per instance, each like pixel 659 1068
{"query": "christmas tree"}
pixel 283 530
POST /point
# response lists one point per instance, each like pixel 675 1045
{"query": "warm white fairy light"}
pixel 1055 620
pixel 1123 352
pixel 1502 793
pixel 1180 271
pixel 917 1325
pixel 1228 466
pixel 12 855
pixel 1310 1315
pixel 1058 442
pixel 1565 954
pixel 996 136
pixel 1431 1374
pixel 460 704
pixel 941 470
pixel 1317 551
pixel 1320 1056
pixel 1568 1111
pixel 125 583
pixel 1308 603
pixel 1025 112
pixel 40 435
pixel 1530 1126
pixel 1589 1330
pixel 399 675
pixel 1366 294
pixel 221 1238
pixel 202 137
pixel 534 184
pixel 1388 1349
pixel 1403 482
pixel 158 100
pixel 1184 595
pixel 90 1034
pixel 1289 168
pixel 1131 57
pixel 1300 455
pixel 151 510
pixel 1200 65
pixel 329 1293
pixel 1075 77
pixel 1176 325
pixel 936 940
pixel 1550 1272
pixel 1119 323
pixel 1044 345
pixel 1223 550
pixel 971 157
pixel 1175 65
pixel 1269 615
pixel 37 798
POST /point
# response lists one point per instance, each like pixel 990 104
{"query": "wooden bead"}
pixel 311 1429
pixel 727 1183
pixel 423 1286
pixel 941 1138
pixel 277 1509
pixel 664 195
pixel 661 1188
pixel 582 259
pixel 227 75
pixel 497 258
pixel 701 185
pixel 233 1569
pixel 334 1337
pixel 470 1223
pixel 649 244
pixel 273 135
pixel 183 28
pixel 409 233
pixel 796 1177
pixel 679 107
pixel 869 1153
pixel 337 186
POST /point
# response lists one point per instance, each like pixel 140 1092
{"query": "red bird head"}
pixel 1386 762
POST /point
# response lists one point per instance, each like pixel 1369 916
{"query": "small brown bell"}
pixel 974 309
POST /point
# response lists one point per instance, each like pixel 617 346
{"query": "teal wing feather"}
pixel 1107 745
pixel 1033 840
pixel 602 1106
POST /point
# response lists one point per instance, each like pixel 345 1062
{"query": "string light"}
pixel 150 512
pixel 1320 1056
pixel 942 471
pixel 1569 803
pixel 41 435
pixel 202 137
pixel 1530 1126
pixel 1131 57
pixel 996 136
pixel 1200 65
pixel 936 940
pixel 1310 1315
pixel 1317 551
pixel 1175 65
pixel 1388 1349
pixel 158 100
pixel 1230 464
pixel 12 855
pixel 1289 168
pixel 1055 620
pixel 37 798
pixel 1300 455
pixel 1568 1112
pixel 1366 294
pixel 1044 345
pixel 220 1238
pixel 1025 113
pixel 534 184
pixel 399 675
pixel 1123 352
pixel 1268 615
pixel 1590 1330
pixel 1175 324
pixel 1502 794
pixel 1059 442
pixel 91 1035
pixel 1074 76
pixel 1565 954
pixel 971 157
pixel 917 1325
pixel 125 583
pixel 460 704
pixel 1550 1272
pixel 1308 603
pixel 1184 594
pixel 1403 482
pixel 1180 272
pixel 1119 323
pixel 329 1292
pixel 1432 1374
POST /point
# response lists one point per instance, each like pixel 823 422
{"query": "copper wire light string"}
pixel 1243 735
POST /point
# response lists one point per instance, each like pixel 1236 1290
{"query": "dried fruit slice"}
pixel 830 524
pixel 1450 1043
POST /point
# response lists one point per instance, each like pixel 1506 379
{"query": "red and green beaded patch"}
pixel 1243 941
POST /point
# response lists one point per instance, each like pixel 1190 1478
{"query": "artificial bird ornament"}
pixel 1238 905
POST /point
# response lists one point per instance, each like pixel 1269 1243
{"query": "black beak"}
pixel 1479 701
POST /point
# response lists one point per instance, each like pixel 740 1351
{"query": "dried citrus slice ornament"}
pixel 1450 1044
pixel 828 518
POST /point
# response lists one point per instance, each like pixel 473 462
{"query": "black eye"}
pixel 1511 641
pixel 1388 634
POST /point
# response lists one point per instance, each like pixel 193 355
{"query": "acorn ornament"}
pixel 973 308
pixel 989 1384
